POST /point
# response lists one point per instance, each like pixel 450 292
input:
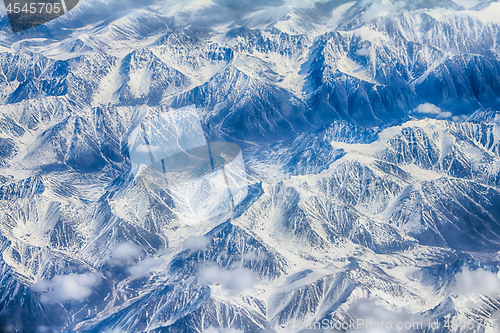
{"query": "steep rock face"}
pixel 353 77
pixel 367 69
pixel 371 143
pixel 146 75
pixel 231 245
pixel 245 107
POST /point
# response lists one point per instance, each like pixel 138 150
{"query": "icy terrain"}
pixel 371 147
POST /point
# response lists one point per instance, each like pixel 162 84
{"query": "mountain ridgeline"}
pixel 370 136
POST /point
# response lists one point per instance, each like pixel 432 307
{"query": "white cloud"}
pixel 380 8
pixel 127 254
pixel 479 282
pixel 126 251
pixel 373 315
pixel 232 281
pixel 195 243
pixel 364 51
pixel 431 109
pixel 71 287
pixel 446 114
pixel 467 3
pixel 488 14
pixel 428 108
pixel 145 266
pixel 212 329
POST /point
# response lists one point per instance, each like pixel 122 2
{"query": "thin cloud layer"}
pixel 196 243
pixel 126 251
pixel 373 312
pixel 379 8
pixel 479 282
pixel 145 266
pixel 127 255
pixel 232 281
pixel 71 287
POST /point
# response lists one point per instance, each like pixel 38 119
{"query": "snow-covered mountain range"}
pixel 370 137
